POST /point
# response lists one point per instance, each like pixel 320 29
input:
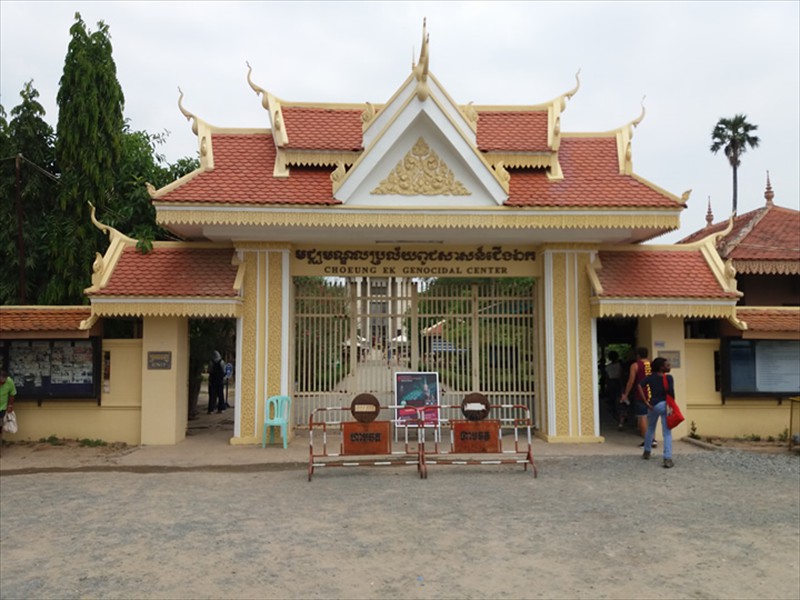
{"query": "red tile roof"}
pixel 512 131
pixel 173 272
pixel 768 233
pixel 770 320
pixel 591 179
pixel 44 318
pixel 243 174
pixel 658 274
pixel 776 236
pixel 323 128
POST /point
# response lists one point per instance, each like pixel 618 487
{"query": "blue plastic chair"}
pixel 278 407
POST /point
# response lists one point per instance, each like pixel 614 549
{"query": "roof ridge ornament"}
pixel 421 68
pixel 273 107
pixel 206 154
pixel 768 193
pixel 256 88
pixel 569 94
pixel 640 118
pixel 189 116
pixel 112 233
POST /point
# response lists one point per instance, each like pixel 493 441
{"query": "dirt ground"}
pixel 719 525
pixel 66 454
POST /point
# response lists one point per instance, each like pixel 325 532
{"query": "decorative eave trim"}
pixel 557 106
pixel 87 324
pixel 273 106
pixel 669 307
pixel 521 160
pixel 723 271
pixel 203 132
pixel 727 246
pixel 381 109
pixel 767 267
pixel 624 137
pixel 444 218
pixel 591 270
pixel 467 112
pixel 561 100
pixel 681 201
pixel 167 307
pixel 322 158
pixel 103 265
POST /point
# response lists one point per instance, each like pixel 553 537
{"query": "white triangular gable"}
pixel 428 146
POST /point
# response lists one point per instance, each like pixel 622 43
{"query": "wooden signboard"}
pixel 476 437
pixel 366 438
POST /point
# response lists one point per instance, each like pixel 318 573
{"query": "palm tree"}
pixel 733 136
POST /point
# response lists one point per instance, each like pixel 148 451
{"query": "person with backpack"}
pixel 639 370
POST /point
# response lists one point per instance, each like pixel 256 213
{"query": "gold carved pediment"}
pixel 421 172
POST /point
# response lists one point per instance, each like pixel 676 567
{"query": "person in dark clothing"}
pixel 216 381
pixel 654 391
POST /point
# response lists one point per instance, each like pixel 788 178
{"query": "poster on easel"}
pixel 414 390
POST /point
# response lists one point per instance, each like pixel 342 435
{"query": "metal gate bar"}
pixel 405 455
pixel 352 335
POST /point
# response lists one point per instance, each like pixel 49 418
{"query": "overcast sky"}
pixel 695 62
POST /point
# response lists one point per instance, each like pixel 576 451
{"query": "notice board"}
pixel 53 368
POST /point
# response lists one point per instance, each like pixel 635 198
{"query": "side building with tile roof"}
pixel 326 228
pixel 746 373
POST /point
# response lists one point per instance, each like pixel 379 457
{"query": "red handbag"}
pixel 674 414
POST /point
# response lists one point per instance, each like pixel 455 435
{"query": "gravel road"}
pixel 719 525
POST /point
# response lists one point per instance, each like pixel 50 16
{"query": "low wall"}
pixel 118 418
pixel 736 417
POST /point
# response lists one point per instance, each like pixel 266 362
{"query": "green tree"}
pixel 28 190
pixel 88 152
pixel 140 164
pixel 734 136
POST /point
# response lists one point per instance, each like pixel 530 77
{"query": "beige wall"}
pixel 165 392
pixel 737 417
pixel 663 336
pixel 117 419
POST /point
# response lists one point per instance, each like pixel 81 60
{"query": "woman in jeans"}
pixel 655 398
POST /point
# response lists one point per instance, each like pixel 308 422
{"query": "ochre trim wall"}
pixel 569 350
pixel 264 342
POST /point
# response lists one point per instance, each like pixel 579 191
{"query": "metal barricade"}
pixel 479 440
pixel 362 443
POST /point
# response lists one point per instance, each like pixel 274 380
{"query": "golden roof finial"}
pixel 421 69
pixel 769 194
pixel 709 214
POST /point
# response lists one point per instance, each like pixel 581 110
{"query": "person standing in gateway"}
pixel 216 383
